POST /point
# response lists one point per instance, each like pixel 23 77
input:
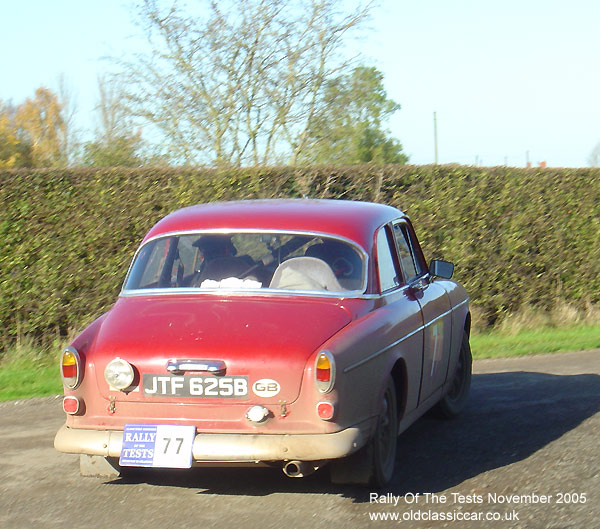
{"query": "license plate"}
pixel 157 445
pixel 195 386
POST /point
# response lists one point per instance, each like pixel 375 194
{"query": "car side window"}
pixel 407 261
pixel 388 275
pixel 154 257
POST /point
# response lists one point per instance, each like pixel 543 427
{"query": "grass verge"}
pixel 29 379
pixel 539 341
pixel 27 372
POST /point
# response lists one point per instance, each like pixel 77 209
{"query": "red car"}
pixel 288 333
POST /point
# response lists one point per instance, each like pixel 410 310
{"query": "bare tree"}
pixel 112 116
pixel 241 83
pixel 69 133
pixel 594 157
pixel 115 143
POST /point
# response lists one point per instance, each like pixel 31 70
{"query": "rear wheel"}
pixel 373 465
pixel 385 439
pixel 453 403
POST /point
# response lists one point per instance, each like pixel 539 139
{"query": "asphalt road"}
pixel 526 450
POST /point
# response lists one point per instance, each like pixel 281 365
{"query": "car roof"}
pixel 353 220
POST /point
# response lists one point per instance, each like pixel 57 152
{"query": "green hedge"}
pixel 517 236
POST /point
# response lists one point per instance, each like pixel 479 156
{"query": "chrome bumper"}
pixel 230 448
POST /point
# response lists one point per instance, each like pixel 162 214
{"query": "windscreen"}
pixel 248 261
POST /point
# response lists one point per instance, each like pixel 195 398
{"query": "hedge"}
pixel 518 236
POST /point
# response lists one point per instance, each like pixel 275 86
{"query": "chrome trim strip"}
pixel 400 289
pixel 461 303
pixel 264 292
pixel 397 342
pixel 380 352
pixel 361 251
pixel 439 317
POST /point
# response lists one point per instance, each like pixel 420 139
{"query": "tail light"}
pixel 70 364
pixel 71 405
pixel 325 371
pixel 325 410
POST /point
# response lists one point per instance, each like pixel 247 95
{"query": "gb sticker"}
pixel 266 387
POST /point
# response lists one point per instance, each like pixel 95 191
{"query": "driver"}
pixel 218 261
pixel 215 245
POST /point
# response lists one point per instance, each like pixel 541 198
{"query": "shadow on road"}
pixel 510 416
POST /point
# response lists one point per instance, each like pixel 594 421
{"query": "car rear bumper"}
pixel 230 448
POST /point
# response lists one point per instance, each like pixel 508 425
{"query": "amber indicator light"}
pixel 323 368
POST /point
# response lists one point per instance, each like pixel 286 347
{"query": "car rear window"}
pixel 248 261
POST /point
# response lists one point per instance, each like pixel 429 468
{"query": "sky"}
pixel 508 80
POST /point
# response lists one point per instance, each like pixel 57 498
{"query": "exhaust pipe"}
pixel 299 469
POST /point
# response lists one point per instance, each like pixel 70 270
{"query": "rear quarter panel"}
pixel 367 350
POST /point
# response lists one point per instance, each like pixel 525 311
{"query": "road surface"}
pixel 526 451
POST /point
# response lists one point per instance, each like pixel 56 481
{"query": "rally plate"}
pixel 157 445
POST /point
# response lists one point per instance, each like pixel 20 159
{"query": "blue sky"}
pixel 504 77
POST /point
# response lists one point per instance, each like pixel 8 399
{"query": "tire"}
pixel 385 439
pixel 455 400
pixel 373 465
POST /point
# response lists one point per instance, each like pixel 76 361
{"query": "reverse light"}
pixel 70 367
pixel 119 374
pixel 257 414
pixel 325 371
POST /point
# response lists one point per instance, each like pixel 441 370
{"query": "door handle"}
pixel 215 367
pixel 420 284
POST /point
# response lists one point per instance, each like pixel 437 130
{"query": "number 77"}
pixel 168 440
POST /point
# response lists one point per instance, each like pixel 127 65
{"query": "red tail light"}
pixel 69 371
pixel 324 371
pixel 325 410
pixel 71 405
pixel 70 363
